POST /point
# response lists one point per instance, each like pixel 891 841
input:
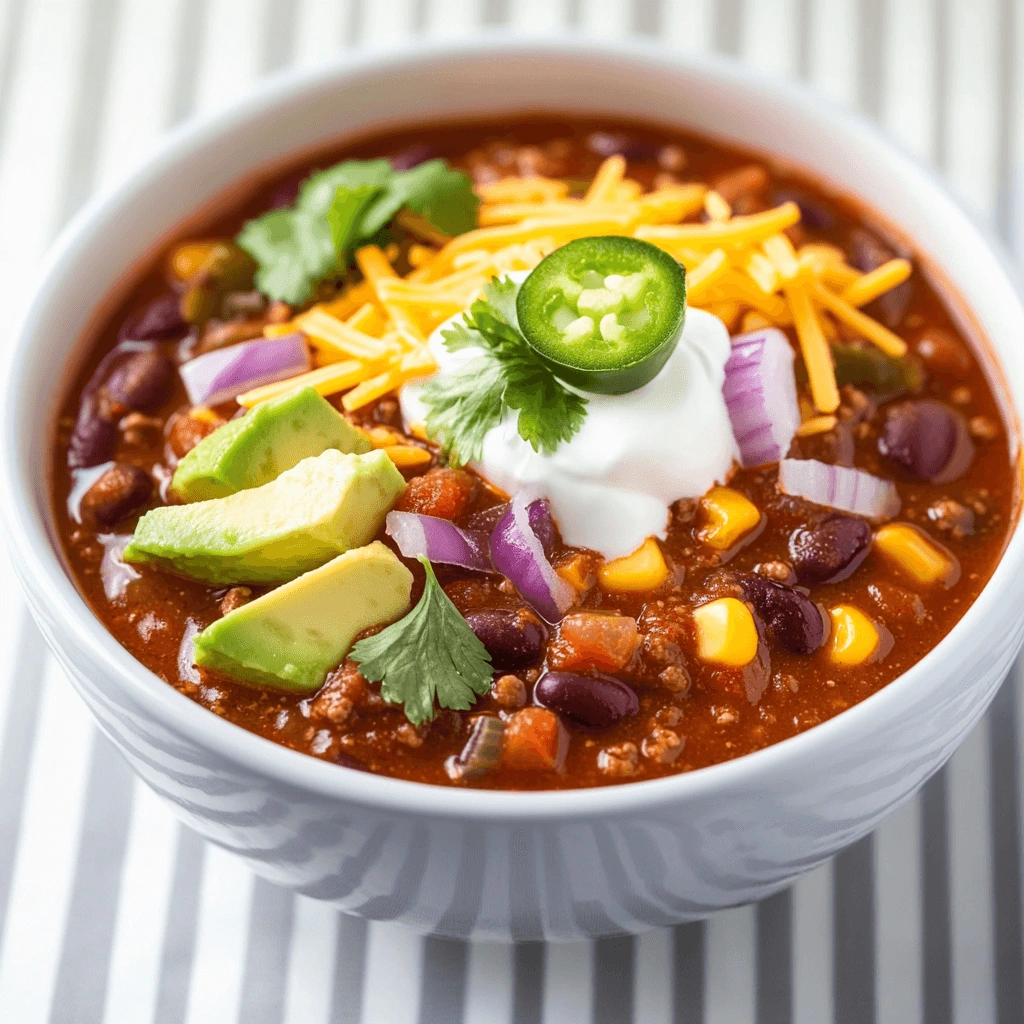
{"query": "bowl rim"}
pixel 34 553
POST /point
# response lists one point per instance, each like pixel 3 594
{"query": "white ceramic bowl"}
pixel 508 865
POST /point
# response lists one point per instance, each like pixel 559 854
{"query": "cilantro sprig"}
pixel 431 653
pixel 342 207
pixel 467 401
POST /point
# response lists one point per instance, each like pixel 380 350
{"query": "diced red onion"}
pixel 440 540
pixel 228 372
pixel 851 490
pixel 760 394
pixel 482 751
pixel 517 552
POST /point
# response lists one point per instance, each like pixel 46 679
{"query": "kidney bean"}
pixel 513 637
pixel 285 192
pixel 813 214
pixel 143 381
pixel 160 319
pixel 122 489
pixel 595 700
pixel 868 253
pixel 412 156
pixel 830 549
pixel 792 619
pixel 927 439
pixel 186 431
pixel 347 760
pixel 610 143
pixel 94 437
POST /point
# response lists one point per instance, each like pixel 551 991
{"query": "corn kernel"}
pixel 577 572
pixel 728 516
pixel 915 553
pixel 645 569
pixel 407 455
pixel 854 636
pixel 726 633
pixel 187 260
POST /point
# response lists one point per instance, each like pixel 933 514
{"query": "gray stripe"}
pixel 647 16
pixel 187 46
pixel 349 968
pixel 614 979
pixel 688 955
pixel 871 55
pixel 494 12
pixel 528 969
pixel 23 699
pixel 80 989
pixel 774 967
pixel 9 46
pixel 443 981
pixel 573 12
pixel 803 38
pixel 728 25
pixel 266 958
pixel 853 950
pixel 941 44
pixel 278 34
pixel 90 100
pixel 936 982
pixel 354 23
pixel 1004 809
pixel 179 944
pixel 1006 194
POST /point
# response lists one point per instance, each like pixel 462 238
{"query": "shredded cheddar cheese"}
pixel 371 339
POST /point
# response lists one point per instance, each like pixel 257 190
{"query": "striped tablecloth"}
pixel 112 912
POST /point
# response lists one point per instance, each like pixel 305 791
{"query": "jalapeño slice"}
pixel 604 313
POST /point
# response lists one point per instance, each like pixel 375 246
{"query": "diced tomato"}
pixel 591 640
pixel 440 492
pixel 534 740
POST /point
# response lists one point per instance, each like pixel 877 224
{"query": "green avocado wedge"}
pixel 270 534
pixel 256 448
pixel 293 636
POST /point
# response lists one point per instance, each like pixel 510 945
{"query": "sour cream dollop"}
pixel 611 486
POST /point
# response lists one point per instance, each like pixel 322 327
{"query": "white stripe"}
pixel 652 993
pixel 834 49
pixel 310 982
pixel 489 983
pixel 47 849
pixel 450 18
pixel 970 880
pixel 812 947
pixel 768 40
pixel 230 52
pixel 689 24
pixel 385 22
pixel 908 96
pixel 729 997
pixel 898 917
pixel 1016 141
pixel 568 982
pixel 608 18
pixel 225 900
pixel 320 27
pixel 137 104
pixel 142 910
pixel 973 62
pixel 390 950
pixel 537 15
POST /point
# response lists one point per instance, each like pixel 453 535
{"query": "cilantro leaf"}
pixel 432 652
pixel 340 208
pixel 468 400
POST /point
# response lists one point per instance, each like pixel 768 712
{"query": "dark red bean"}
pixel 143 381
pixel 286 192
pixel 160 319
pixel 121 489
pixel 347 760
pixel 868 253
pixel 793 621
pixel 927 439
pixel 830 549
pixel 610 143
pixel 595 700
pixel 412 156
pixel 94 437
pixel 813 214
pixel 513 637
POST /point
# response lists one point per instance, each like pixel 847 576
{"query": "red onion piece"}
pixel 760 394
pixel 517 551
pixel 228 372
pixel 851 490
pixel 482 751
pixel 440 540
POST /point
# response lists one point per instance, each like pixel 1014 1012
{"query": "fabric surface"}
pixel 112 912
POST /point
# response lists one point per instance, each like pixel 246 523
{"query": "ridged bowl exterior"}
pixel 508 865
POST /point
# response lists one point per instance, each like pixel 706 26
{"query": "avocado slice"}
pixel 310 513
pixel 255 448
pixel 293 636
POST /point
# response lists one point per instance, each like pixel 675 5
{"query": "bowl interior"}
pixel 305 111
